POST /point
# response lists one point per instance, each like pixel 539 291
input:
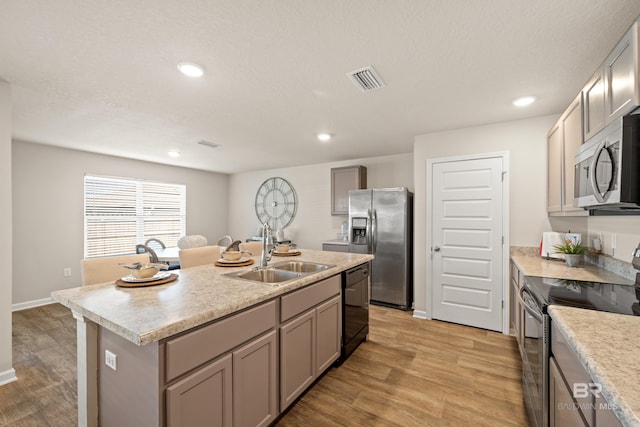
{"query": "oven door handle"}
pixel 532 311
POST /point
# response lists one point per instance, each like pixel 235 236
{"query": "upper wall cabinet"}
pixel 613 91
pixel 563 140
pixel 342 181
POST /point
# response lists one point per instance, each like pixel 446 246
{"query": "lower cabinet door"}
pixel 329 329
pixel 563 410
pixel 255 388
pixel 203 398
pixel 297 357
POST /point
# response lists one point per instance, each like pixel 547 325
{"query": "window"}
pixel 120 213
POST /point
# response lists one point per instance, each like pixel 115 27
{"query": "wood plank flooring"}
pixel 411 372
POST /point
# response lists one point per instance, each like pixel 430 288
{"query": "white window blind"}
pixel 120 213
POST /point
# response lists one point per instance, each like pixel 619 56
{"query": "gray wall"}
pixel 6 371
pixel 313 222
pixel 48 211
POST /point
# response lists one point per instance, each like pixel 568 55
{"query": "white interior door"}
pixel 467 242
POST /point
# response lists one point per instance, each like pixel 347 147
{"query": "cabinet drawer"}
pixel 571 369
pixel 195 348
pixel 296 302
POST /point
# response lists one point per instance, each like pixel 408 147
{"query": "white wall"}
pixel 313 222
pixel 48 198
pixel 525 140
pixel 6 370
pixel 626 230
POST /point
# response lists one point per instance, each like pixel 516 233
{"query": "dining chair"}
pixel 192 257
pixel 106 269
pixel 192 241
pixel 254 248
pixel 224 241
pixel 155 243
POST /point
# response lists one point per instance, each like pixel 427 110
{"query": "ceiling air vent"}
pixel 209 143
pixel 366 79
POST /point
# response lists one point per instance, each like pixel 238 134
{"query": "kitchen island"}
pixel 155 331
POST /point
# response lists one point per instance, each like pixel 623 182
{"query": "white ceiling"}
pixel 101 76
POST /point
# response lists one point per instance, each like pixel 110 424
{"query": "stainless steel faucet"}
pixel 265 257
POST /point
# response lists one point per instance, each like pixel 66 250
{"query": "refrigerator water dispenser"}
pixel 359 231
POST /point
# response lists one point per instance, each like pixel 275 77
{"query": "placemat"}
pixel 233 264
pixel 290 253
pixel 124 284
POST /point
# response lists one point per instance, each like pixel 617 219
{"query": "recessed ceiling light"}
pixel 324 136
pixel 524 101
pixel 173 153
pixel 190 69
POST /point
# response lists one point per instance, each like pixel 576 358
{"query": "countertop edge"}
pixel 623 411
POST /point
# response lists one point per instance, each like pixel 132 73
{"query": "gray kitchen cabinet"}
pixel 255 387
pixel 621 76
pixel 310 336
pixel 613 89
pixel 593 94
pixel 563 140
pixel 203 398
pixel 574 398
pixel 562 411
pixel 334 247
pixel 240 389
pixel 516 312
pixel 342 181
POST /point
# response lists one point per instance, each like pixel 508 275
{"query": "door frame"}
pixel 504 155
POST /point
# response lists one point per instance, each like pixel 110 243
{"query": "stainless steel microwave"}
pixel 607 168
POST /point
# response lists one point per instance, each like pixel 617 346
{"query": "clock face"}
pixel 276 203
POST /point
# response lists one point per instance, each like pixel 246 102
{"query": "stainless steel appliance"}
pixel 355 308
pixel 381 223
pixel 535 297
pixel 607 168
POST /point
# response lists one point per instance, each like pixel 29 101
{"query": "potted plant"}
pixel 573 252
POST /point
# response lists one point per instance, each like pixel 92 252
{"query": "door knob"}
pixel 436 248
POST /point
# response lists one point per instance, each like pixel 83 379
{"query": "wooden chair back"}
pixel 255 248
pixel 106 269
pixel 193 257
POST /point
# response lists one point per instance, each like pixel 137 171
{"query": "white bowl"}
pixel 232 255
pixel 145 271
pixel 283 248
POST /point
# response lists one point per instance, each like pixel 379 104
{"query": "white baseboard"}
pixel 420 314
pixel 31 304
pixel 8 376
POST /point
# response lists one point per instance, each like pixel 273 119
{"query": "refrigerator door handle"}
pixel 374 230
pixel 369 232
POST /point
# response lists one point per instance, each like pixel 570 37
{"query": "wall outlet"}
pixel 111 360
pixel 67 272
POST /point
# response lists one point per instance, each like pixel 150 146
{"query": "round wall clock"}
pixel 276 203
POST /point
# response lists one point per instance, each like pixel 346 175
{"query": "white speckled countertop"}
pixel 608 346
pixel 199 295
pixel 557 269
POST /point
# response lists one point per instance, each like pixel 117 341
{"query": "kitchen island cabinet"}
pixel 310 336
pixel 186 332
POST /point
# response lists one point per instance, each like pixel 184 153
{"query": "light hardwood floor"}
pixel 411 372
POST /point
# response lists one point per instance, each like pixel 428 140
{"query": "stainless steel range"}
pixel 535 297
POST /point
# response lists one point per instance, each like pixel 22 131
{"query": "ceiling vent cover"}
pixel 366 79
pixel 209 143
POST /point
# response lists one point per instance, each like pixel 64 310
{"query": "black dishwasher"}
pixel 355 308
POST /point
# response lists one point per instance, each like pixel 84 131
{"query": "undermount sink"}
pixel 280 272
pixel 301 266
pixel 267 275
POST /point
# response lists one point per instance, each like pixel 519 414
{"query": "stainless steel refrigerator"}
pixel 381 223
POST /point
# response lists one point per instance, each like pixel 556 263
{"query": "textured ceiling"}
pixel 101 76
